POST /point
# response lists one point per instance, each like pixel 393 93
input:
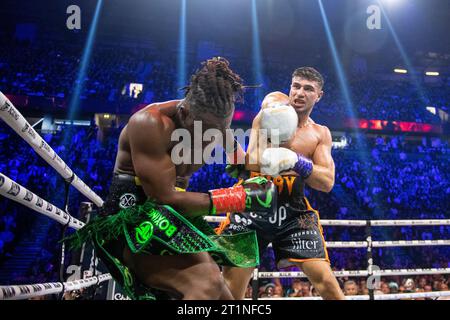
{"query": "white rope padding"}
pixel 299 274
pixel 355 223
pixel 363 223
pixel 346 244
pixel 342 244
pixel 14 191
pixel 410 272
pixel 379 244
pixel 342 223
pixel 215 219
pixel 421 222
pixel 358 273
pixel 17 122
pixel 20 292
pixel 391 296
pixel 410 243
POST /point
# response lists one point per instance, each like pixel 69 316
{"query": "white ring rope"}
pixel 363 223
pixel 341 223
pixel 299 274
pixel 381 244
pixel 391 296
pixel 346 244
pixel 16 121
pixel 416 222
pixel 410 243
pixel 14 191
pixel 20 292
pixel 358 273
pixel 410 272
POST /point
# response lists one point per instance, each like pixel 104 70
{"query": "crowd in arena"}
pixel 50 69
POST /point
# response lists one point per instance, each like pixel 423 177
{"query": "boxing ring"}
pixel 14 191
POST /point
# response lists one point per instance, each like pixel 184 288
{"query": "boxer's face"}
pixel 304 94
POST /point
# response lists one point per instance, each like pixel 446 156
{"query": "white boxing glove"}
pixel 280 121
pixel 275 160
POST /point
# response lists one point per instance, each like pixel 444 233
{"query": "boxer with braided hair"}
pixel 151 234
pixel 214 88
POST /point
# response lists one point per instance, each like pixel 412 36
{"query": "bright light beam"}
pixel 345 91
pixel 404 55
pixel 81 77
pixel 256 54
pixel 181 64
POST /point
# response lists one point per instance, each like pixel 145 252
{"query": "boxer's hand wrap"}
pixel 276 160
pixel 303 167
pixel 228 199
pixel 256 194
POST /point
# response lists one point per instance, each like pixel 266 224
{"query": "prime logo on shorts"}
pixel 127 200
pixel 144 232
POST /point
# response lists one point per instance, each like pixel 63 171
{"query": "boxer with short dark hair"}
pixel 303 156
pixel 152 233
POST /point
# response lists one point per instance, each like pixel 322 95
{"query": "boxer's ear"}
pixel 320 96
pixel 185 115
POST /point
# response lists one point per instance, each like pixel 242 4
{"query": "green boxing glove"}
pixel 253 195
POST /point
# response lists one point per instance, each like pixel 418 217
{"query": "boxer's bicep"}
pixel 151 162
pixel 156 171
pixel 322 155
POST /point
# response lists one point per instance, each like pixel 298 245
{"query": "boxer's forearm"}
pixel 190 204
pixel 252 167
pixel 321 179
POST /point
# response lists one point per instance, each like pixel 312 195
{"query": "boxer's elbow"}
pixel 328 186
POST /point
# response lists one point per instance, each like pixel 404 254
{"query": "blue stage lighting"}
pixel 256 54
pixel 181 65
pixel 82 72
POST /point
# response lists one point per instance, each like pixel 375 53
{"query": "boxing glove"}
pixel 255 194
pixel 280 123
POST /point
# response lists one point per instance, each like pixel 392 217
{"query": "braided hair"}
pixel 214 88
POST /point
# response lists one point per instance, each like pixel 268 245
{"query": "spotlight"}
pixel 392 2
pixel 400 71
pixel 431 110
pixel 432 73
